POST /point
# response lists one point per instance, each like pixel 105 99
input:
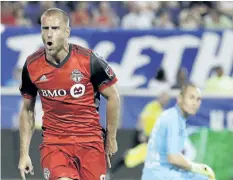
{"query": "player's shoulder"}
pixel 83 56
pixel 81 51
pixel 35 56
pixel 169 115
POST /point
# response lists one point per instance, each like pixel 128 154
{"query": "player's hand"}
pixel 110 149
pixel 210 172
pixel 25 166
pixel 203 169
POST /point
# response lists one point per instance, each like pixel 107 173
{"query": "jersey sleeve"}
pixel 172 137
pixel 27 88
pixel 102 75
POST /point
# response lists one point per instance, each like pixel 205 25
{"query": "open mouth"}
pixel 49 43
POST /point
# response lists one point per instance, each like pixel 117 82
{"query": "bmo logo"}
pixel 53 93
pixel 77 90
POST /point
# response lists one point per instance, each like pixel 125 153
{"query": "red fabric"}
pixel 104 86
pixel 82 161
pixel 66 117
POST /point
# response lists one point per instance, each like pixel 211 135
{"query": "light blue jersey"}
pixel 167 137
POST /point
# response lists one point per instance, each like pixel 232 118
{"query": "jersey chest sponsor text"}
pixel 77 90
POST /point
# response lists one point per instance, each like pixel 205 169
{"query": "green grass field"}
pixel 216 150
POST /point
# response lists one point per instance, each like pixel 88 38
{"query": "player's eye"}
pixel 45 28
pixel 55 28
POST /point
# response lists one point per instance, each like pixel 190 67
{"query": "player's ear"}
pixel 68 32
pixel 179 98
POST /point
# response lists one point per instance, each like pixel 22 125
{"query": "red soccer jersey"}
pixel 69 93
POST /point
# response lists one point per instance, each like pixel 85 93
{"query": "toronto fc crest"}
pixel 76 75
pixel 109 71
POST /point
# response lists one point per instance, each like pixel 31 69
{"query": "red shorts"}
pixel 82 161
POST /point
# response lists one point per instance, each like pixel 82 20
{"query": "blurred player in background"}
pixel 181 78
pixel 164 157
pixel 69 80
pixel 150 114
pixel 148 117
pixel 219 82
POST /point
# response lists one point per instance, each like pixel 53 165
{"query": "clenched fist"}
pixel 25 166
pixel 111 148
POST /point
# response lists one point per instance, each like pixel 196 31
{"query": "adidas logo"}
pixel 43 78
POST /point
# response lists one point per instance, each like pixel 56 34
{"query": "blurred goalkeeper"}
pixel 164 159
pixel 137 154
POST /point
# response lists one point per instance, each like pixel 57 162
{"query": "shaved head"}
pixel 55 31
pixel 57 12
pixel 185 87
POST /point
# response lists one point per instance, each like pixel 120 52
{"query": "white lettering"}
pixel 79 41
pixel 23 45
pixel 15 43
pixel 206 58
pixel 105 48
pixel 172 47
pixel 53 93
pixel 44 93
pixel 61 92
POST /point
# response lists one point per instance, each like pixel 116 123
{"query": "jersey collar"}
pixel 63 62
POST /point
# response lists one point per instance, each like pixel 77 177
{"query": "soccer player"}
pixel 164 159
pixel 148 117
pixel 69 80
pixel 150 114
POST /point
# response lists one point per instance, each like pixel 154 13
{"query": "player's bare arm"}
pixel 27 123
pixel 180 161
pixel 113 113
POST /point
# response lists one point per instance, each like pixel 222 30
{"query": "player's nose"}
pixel 49 33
